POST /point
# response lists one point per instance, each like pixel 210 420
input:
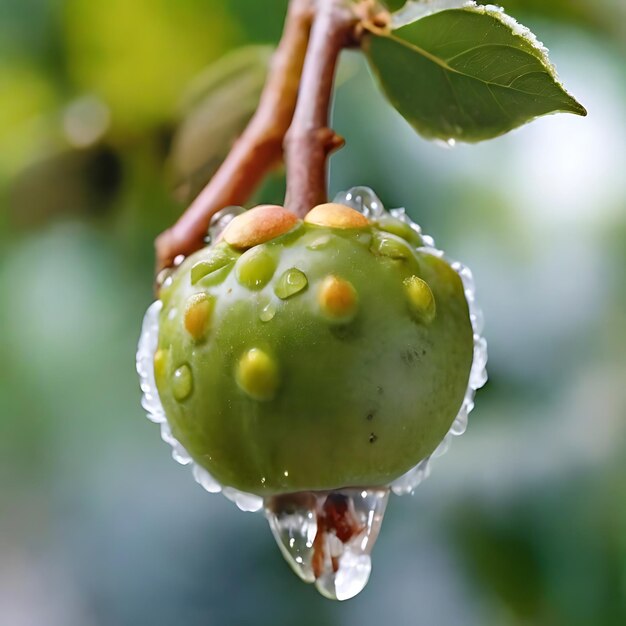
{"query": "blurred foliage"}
pixel 137 56
pixel 523 522
pixel 214 111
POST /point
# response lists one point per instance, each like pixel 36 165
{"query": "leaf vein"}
pixel 492 45
pixel 441 63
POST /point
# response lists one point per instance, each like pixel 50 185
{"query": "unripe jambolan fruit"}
pixel 312 355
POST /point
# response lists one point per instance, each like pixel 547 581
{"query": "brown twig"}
pixel 257 150
pixel 309 140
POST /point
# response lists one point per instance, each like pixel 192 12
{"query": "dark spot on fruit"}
pixel 370 416
pixel 410 356
pixel 373 438
pixel 344 332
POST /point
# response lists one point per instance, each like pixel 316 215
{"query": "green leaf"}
pixel 466 74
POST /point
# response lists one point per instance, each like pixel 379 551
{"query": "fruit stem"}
pixel 310 141
pixel 257 150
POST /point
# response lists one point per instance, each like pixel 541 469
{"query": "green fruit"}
pixel 325 357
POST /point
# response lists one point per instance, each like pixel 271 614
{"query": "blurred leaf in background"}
pixel 137 56
pixel 214 111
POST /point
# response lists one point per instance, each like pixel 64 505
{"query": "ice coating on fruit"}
pixel 323 358
pixel 394 291
pixel 267 307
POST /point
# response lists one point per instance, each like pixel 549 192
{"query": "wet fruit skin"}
pixel 354 376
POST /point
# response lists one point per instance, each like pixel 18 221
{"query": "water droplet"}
pixel 328 537
pixel 148 343
pixel 459 426
pixel 220 221
pixel 429 242
pixel 478 375
pixel 409 481
pixel 244 501
pixel 205 479
pixel 442 448
pixel 478 321
pixel 293 521
pixel 268 312
pixel 293 281
pixel 182 383
pixel 362 199
pixel 445 143
pixel 466 276
pixel 179 454
pixel 164 290
pixel 164 281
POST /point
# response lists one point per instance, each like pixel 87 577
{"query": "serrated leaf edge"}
pixel 523 32
pixel 420 9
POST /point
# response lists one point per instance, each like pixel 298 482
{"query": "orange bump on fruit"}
pixel 338 299
pixel 198 311
pixel 336 216
pixel 258 225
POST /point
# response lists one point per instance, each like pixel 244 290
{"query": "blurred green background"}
pixel 522 522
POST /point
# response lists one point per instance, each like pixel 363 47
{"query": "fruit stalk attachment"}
pixel 309 140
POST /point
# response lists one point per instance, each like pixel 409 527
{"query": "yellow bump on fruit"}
pixel 160 365
pixel 337 298
pixel 198 312
pixel 258 225
pixel 336 216
pixel 257 375
pixel 421 299
pixel 255 267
